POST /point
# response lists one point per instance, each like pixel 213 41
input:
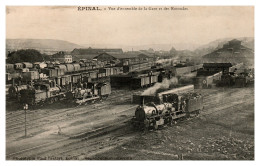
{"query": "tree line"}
pixel 28 55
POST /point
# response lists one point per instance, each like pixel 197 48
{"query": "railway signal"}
pixel 25 107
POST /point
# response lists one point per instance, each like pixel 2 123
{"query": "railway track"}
pixel 18 113
pixel 32 125
pixel 69 140
pixel 92 147
pixel 55 113
pixel 87 150
pixel 80 111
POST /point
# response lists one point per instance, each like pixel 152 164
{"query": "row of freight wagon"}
pixel 178 71
pixel 241 80
pixel 65 81
pixel 38 65
pixel 60 72
pixel 62 81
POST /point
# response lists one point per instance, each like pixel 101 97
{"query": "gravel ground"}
pixel 224 132
pixel 224 135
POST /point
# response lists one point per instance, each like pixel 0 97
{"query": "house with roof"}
pixel 62 57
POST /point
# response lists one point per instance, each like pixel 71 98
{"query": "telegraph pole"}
pixel 25 107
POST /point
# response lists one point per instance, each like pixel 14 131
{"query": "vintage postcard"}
pixel 129 83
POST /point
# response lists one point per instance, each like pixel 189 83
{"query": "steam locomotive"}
pixel 41 93
pixel 89 92
pixel 174 106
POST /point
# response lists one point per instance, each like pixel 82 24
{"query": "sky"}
pixel 197 25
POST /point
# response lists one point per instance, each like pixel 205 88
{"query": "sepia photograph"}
pixel 129 83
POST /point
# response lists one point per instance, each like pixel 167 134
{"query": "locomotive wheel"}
pixel 51 100
pixel 56 99
pixel 173 122
pixel 197 113
pixel 188 116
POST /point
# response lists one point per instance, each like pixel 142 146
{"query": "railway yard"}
pixel 139 111
pixel 102 131
pixel 133 84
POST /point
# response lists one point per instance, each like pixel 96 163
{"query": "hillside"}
pixel 43 45
pixel 232 51
pixel 217 44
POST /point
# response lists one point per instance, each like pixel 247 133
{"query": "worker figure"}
pixel 146 125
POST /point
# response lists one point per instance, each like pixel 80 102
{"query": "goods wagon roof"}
pixel 217 65
pixel 62 67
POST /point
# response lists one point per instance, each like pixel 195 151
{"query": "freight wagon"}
pixel 227 80
pixel 120 81
pixel 9 66
pixel 65 80
pixel 236 67
pixel 62 67
pixel 203 81
pixel 30 76
pixel 241 81
pixel 70 68
pixel 75 78
pixel 144 80
pixel 139 82
pixel 207 79
pixel 136 67
pixel 53 72
pixel 27 65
